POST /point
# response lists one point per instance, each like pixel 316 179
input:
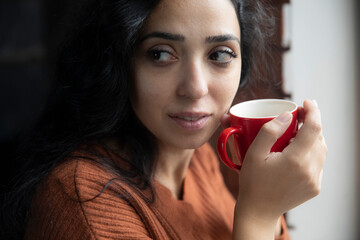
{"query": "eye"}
pixel 222 56
pixel 161 56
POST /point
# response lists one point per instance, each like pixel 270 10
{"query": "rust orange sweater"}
pixel 72 203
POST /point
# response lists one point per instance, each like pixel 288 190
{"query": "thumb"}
pixel 268 135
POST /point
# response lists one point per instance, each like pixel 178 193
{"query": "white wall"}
pixel 322 65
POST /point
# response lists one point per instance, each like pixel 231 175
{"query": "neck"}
pixel 171 168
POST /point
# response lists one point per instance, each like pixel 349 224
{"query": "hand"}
pixel 271 184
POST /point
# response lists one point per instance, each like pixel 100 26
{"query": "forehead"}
pixel 187 17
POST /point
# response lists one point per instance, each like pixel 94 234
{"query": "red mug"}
pixel 246 120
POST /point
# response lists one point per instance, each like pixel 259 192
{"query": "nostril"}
pixel 195 90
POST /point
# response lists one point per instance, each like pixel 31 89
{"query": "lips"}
pixel 190 120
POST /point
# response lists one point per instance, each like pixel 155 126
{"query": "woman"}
pixel 121 152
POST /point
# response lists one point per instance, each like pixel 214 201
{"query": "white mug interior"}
pixel 262 108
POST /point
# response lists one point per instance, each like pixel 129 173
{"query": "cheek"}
pixel 227 88
pixel 148 91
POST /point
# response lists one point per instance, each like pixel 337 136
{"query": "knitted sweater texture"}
pixel 82 199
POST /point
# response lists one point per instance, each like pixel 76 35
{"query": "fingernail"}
pixel 315 102
pixel 284 117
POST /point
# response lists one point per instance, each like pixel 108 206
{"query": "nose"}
pixel 194 84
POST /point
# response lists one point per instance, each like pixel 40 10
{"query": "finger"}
pixel 268 135
pixel 225 120
pixel 311 129
pixel 311 106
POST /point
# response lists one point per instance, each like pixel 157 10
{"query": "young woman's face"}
pixel 186 70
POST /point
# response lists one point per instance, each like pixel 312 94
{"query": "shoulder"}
pixel 81 195
pixel 81 172
pixel 78 178
pixel 87 172
pixel 56 207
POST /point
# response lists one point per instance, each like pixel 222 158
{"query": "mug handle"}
pixel 221 146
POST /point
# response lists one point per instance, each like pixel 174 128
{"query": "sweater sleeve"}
pixel 72 203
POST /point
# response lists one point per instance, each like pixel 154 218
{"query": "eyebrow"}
pixel 222 38
pixel 164 35
pixel 181 38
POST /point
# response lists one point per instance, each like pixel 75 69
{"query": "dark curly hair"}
pixel 90 100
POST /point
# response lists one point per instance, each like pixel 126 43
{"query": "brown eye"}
pixel 161 56
pixel 222 56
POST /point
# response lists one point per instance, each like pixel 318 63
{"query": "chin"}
pixel 192 143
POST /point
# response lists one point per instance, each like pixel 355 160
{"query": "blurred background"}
pixel 323 64
pixel 316 57
pixel 30 31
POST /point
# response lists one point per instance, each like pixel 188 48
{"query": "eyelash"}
pixel 234 55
